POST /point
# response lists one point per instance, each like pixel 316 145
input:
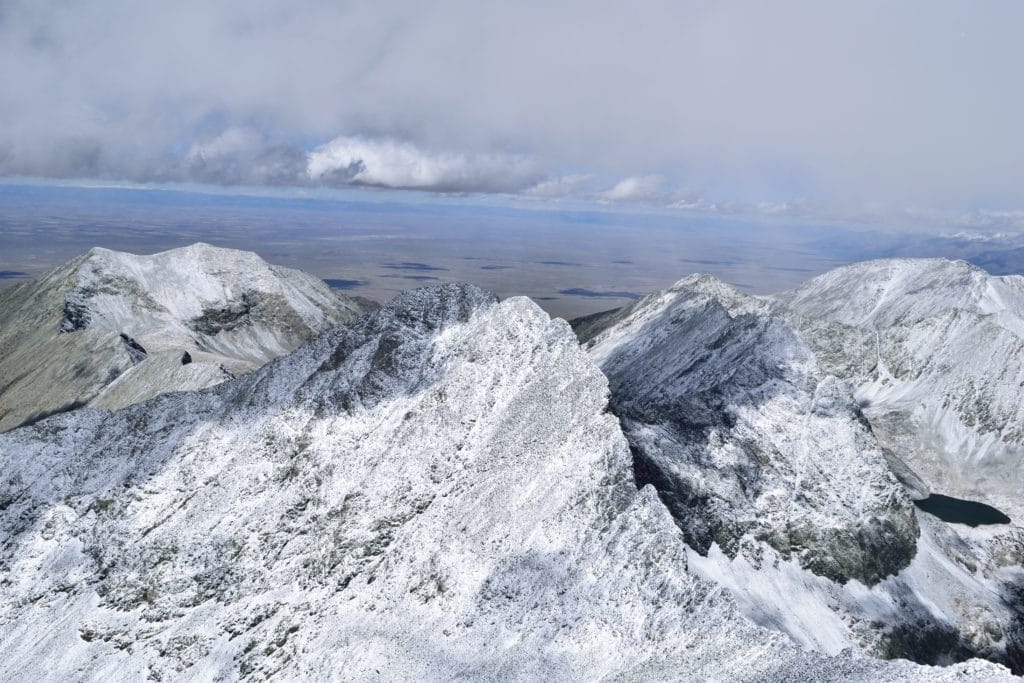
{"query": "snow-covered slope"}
pixel 435 491
pixel 886 292
pixel 936 349
pixel 782 489
pixel 110 328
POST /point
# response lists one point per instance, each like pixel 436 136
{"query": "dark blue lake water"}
pixel 961 511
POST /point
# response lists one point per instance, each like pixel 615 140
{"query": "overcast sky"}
pixel 673 103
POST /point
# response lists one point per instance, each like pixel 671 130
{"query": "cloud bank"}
pixel 914 102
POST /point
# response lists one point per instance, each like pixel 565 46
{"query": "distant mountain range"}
pixel 702 484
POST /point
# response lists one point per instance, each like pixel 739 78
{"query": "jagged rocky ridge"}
pixel 109 329
pixel 434 491
pixel 783 487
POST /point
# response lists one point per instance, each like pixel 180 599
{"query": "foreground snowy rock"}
pixel 110 329
pixel 435 491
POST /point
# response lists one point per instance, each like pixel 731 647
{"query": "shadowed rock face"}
pixel 109 329
pixel 746 439
pixel 222 318
pixel 434 491
pixel 134 348
pixel 76 317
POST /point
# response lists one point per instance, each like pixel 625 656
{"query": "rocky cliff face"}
pixel 935 352
pixel 109 329
pixel 434 491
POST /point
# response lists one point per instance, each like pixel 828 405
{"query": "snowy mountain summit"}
pixel 747 439
pixel 110 328
pixel 434 491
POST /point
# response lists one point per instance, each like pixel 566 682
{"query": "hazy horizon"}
pixel 572 261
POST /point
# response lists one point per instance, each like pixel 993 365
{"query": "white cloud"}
pixel 689 204
pixel 652 189
pixel 240 155
pixel 401 165
pixel 561 186
pixel 648 188
pixel 229 143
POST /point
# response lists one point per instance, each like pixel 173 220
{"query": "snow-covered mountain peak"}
pixel 110 328
pixel 935 348
pixel 725 294
pixel 889 291
pixel 787 495
pixel 698 289
pixel 160 297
